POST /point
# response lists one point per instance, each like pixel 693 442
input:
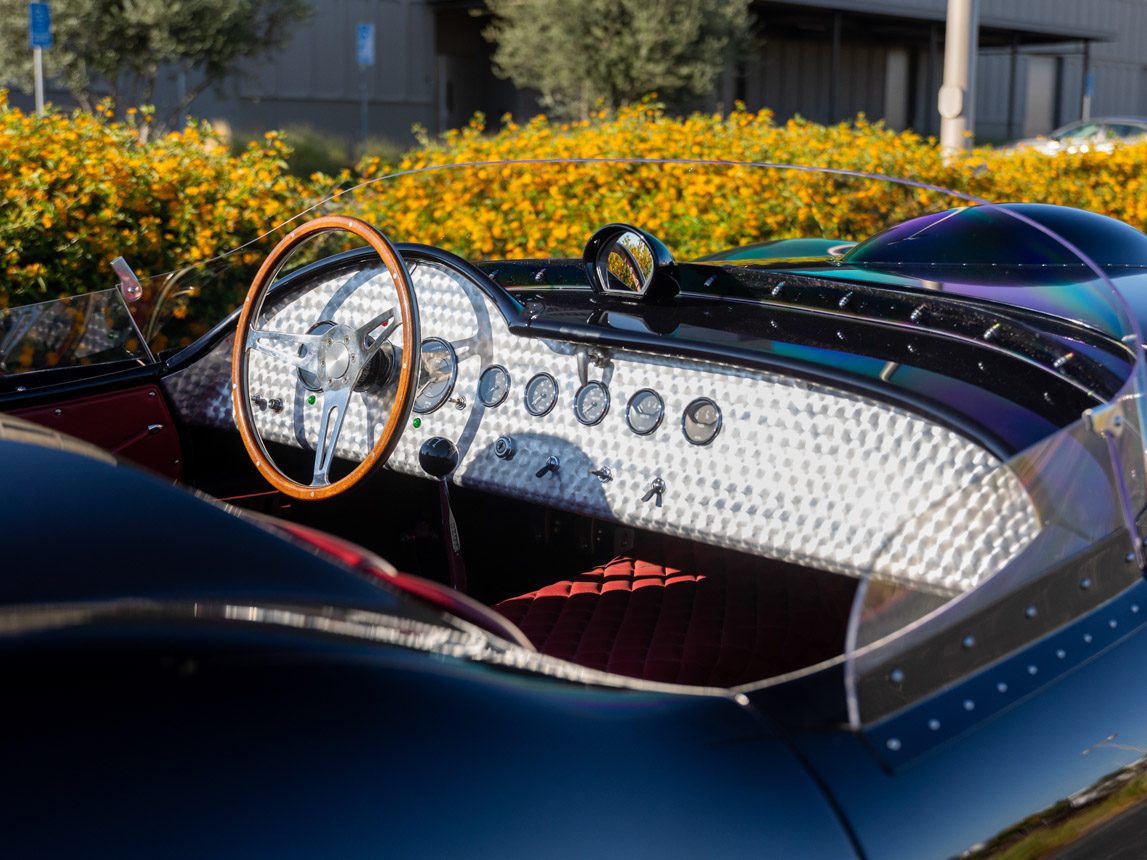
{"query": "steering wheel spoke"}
pixel 381 327
pixel 297 350
pixel 336 401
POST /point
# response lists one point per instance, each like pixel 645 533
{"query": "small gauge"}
pixel 591 403
pixel 701 421
pixel 644 412
pixel 437 375
pixel 541 394
pixel 493 385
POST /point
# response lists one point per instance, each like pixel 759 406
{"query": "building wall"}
pixel 433 68
pixel 315 81
pixel 1118 61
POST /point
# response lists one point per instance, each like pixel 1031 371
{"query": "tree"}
pixel 116 48
pixel 578 53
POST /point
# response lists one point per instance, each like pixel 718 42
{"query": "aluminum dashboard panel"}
pixel 800 471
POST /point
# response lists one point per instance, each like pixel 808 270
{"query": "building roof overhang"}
pixel 888 22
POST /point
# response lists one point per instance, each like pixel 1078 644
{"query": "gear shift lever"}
pixel 438 457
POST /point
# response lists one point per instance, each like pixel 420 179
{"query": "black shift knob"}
pixel 438 457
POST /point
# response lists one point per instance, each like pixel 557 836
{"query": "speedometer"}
pixel 591 403
pixel 436 376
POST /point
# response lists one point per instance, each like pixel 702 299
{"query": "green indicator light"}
pixel 311 400
pixel 417 422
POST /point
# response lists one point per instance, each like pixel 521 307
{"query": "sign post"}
pixel 39 37
pixel 364 53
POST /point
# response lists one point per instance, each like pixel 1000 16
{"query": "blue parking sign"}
pixel 39 25
pixel 364 44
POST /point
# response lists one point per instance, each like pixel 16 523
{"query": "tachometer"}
pixel 591 403
pixel 437 375
pixel 701 421
pixel 644 412
pixel 541 394
pixel 493 385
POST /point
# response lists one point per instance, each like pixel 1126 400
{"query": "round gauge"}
pixel 493 385
pixel 436 376
pixel 591 403
pixel 701 421
pixel 644 412
pixel 541 394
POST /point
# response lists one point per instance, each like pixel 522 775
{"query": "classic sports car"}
pixel 808 548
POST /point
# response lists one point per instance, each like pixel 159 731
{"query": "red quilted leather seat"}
pixel 724 622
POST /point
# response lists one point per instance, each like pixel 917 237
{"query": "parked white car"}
pixel 1088 135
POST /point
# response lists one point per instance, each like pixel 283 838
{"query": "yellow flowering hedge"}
pixel 542 208
pixel 78 190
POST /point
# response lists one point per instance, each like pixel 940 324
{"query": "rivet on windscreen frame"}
pixel 893 744
pixel 1002 687
pixel 934 724
pixel 1085 583
pixel 1030 612
pixel 969 642
pixel 896 676
pixel 969 705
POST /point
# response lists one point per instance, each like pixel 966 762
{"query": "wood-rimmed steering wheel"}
pixel 332 359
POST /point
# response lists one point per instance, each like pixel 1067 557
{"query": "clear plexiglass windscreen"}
pixel 88 329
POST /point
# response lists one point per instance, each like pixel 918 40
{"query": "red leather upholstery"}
pixel 133 423
pixel 728 621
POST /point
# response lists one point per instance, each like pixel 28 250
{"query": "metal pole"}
pixel 1012 88
pixel 38 66
pixel 1085 96
pixel 957 97
pixel 834 71
pixel 363 128
pixel 933 64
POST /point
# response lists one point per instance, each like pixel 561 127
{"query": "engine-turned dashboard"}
pixel 728 455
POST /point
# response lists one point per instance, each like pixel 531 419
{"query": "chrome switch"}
pixel 552 465
pixel 657 488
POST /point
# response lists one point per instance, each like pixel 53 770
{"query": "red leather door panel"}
pixel 134 424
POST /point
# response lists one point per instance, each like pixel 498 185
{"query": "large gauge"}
pixel 644 412
pixel 591 403
pixel 493 385
pixel 701 421
pixel 541 394
pixel 437 375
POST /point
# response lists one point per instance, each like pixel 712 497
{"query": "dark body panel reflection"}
pixel 1061 773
